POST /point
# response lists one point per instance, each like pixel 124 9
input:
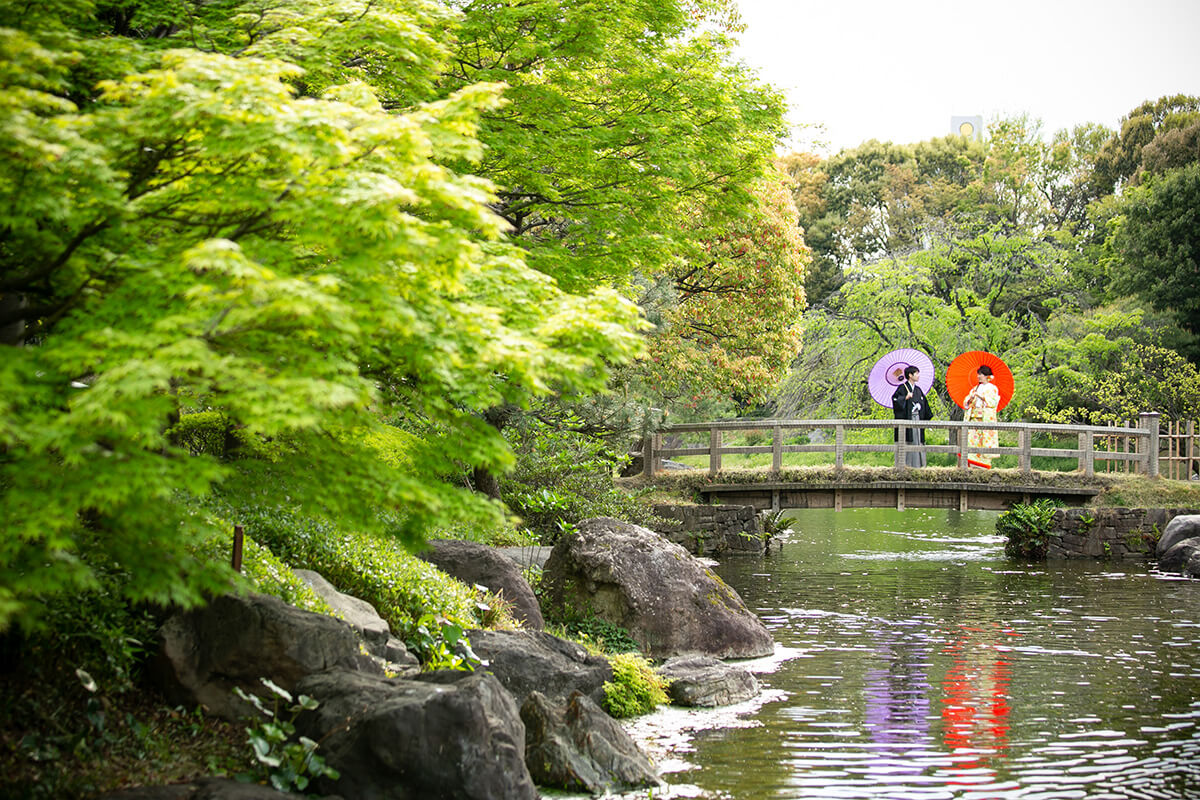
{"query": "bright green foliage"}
pixel 1026 528
pixel 1107 366
pixel 635 689
pixel 191 234
pixel 562 477
pixel 1158 239
pixel 289 762
pixel 622 119
pixel 400 586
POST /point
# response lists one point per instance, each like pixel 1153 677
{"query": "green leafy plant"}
pixel 605 636
pixel 289 762
pixel 635 689
pixel 1026 528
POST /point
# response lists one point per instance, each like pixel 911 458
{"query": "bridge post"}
pixel 1149 421
pixel 1087 461
pixel 901 445
pixel 777 450
pixel 1025 437
pixel 839 447
pixel 962 445
pixel 650 443
pixel 714 451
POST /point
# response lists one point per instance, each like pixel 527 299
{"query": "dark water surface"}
pixel 925 665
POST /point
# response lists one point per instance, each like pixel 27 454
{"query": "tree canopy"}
pixel 316 218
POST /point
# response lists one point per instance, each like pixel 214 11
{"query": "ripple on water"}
pixel 923 664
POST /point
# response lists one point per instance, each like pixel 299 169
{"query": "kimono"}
pixel 915 409
pixel 982 403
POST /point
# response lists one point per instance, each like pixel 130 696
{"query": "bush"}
pixel 409 593
pixel 561 478
pixel 636 688
pixel 1026 528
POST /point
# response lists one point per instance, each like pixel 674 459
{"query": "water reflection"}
pixel 927 666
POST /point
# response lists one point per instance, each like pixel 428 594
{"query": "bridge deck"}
pixel 890 494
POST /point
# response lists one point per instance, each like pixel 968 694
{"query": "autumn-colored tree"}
pixel 729 325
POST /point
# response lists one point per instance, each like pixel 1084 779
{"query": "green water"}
pixel 915 661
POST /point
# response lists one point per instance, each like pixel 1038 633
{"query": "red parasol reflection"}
pixel 975 705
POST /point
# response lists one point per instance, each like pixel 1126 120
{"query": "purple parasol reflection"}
pixel 888 373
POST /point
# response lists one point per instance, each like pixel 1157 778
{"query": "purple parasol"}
pixel 888 373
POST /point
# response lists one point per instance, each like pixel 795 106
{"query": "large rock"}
pixel 236 640
pixel 456 736
pixel 202 789
pixel 1183 558
pixel 580 747
pixel 474 563
pixel 668 601
pixel 705 681
pixel 524 661
pixel 362 616
pixel 1186 526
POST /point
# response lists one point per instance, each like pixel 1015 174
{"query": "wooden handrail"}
pixel 1145 455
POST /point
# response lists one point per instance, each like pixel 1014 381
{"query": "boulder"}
pixel 1186 526
pixel 1181 557
pixel 456 736
pixel 235 640
pixel 669 601
pixel 202 789
pixel 578 747
pixel 474 563
pixel 362 616
pixel 527 660
pixel 705 681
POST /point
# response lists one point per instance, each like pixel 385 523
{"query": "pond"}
pixel 915 661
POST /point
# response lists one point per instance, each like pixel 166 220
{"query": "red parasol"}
pixel 961 376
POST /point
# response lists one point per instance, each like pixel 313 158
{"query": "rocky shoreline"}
pixel 530 716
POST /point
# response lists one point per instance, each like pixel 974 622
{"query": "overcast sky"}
pixel 898 70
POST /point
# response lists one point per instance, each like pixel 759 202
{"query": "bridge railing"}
pixel 1143 454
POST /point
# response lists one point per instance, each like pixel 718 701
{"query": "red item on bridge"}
pixel 961 376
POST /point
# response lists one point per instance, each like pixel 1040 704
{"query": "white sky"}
pixel 897 71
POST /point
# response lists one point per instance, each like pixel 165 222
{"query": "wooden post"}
pixel 963 503
pixel 901 445
pixel 714 451
pixel 1191 452
pixel 839 447
pixel 900 499
pixel 837 499
pixel 1087 461
pixel 648 454
pixel 1149 422
pixel 1025 440
pixel 777 450
pixel 962 445
pixel 238 535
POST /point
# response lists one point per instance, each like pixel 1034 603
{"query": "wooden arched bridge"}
pixel 1132 449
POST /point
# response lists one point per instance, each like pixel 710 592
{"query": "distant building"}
pixel 970 127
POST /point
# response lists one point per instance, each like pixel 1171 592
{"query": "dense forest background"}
pixel 403 265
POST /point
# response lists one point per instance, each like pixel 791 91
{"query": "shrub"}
pixel 1026 528
pixel 636 688
pixel 402 588
pixel 605 636
pixel 562 477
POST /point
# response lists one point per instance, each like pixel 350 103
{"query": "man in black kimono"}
pixel 910 403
